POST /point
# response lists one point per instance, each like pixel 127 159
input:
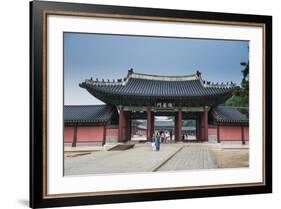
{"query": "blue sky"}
pixel 111 56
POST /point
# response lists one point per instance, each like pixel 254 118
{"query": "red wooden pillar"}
pixel 104 135
pixel 148 129
pixel 152 125
pixel 176 133
pixel 121 126
pixel 129 127
pixel 202 128
pixel 218 133
pixel 242 135
pixel 179 125
pixel 197 131
pixel 74 142
pixel 126 127
pixel 206 124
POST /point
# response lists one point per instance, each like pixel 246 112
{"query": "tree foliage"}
pixel 240 97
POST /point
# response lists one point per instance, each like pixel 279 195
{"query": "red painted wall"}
pixel 230 133
pixel 68 134
pixel 212 131
pixel 112 132
pixel 84 134
pixel 233 133
pixel 95 133
pixel 89 134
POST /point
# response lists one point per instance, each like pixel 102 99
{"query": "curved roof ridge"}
pixel 132 74
pixel 143 76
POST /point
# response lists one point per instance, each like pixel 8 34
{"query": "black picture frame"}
pixel 38 11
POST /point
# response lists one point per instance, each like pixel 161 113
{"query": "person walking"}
pixel 153 142
pixel 157 141
pixel 162 136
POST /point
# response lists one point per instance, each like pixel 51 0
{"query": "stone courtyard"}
pixel 141 158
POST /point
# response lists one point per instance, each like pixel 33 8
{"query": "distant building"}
pixel 143 97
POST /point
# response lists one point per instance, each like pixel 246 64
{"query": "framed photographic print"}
pixel 139 104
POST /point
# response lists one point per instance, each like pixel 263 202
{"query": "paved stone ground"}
pixel 191 157
pixel 139 159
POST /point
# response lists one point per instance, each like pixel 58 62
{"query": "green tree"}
pixel 240 97
pixel 245 85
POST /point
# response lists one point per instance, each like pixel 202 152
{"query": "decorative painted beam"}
pixel 161 109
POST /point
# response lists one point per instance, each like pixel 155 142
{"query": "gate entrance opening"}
pixel 189 130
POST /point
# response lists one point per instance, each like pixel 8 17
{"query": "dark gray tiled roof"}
pixel 88 113
pixel 153 88
pixel 225 114
pixel 137 85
